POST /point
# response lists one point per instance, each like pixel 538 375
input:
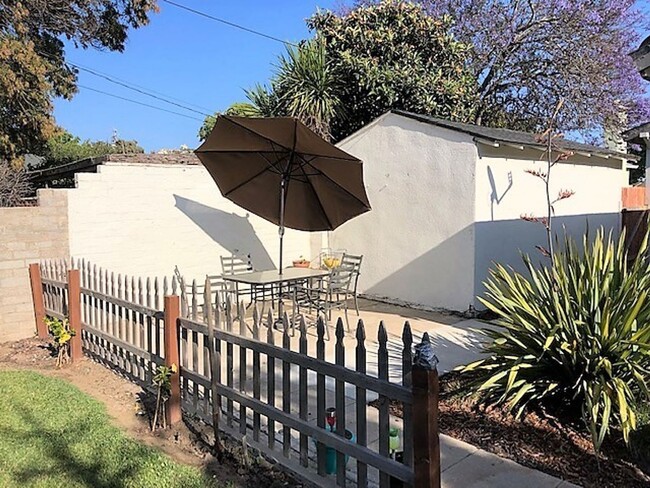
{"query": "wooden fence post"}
pixel 74 314
pixel 426 440
pixel 37 299
pixel 172 314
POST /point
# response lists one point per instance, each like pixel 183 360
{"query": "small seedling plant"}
pixel 61 334
pixel 162 381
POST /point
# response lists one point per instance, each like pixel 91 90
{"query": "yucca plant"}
pixel 572 335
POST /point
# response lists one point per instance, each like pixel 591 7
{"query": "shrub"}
pixel 61 334
pixel 572 335
pixel 14 185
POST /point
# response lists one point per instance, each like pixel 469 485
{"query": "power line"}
pixel 134 88
pixel 139 103
pixel 231 24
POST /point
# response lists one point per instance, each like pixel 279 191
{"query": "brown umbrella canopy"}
pixel 279 169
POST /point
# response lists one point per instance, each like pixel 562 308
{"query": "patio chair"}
pixel 217 285
pixel 332 292
pixel 237 264
pixel 354 262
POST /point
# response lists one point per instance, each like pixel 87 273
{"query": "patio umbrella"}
pixel 279 169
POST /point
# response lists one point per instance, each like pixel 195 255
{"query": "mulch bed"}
pixel 537 441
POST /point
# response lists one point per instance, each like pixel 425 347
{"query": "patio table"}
pixel 288 277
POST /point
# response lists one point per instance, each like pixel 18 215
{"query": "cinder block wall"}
pixel 27 235
pixel 144 219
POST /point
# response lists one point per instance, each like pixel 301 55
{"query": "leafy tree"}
pixel 65 148
pixel 529 54
pixel 393 55
pixel 364 62
pixel 241 109
pixel 32 62
pixel 305 85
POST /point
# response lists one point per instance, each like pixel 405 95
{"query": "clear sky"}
pixel 187 57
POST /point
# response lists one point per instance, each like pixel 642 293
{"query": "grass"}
pixel 53 435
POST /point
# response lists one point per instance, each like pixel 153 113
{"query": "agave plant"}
pixel 575 334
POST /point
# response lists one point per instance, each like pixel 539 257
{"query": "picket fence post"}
pixel 37 300
pixel 426 439
pixel 171 315
pixel 74 314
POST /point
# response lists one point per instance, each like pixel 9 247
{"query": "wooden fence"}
pixel 270 389
pixel 635 224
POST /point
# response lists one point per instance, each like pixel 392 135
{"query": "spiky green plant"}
pixel 573 335
pixel 309 87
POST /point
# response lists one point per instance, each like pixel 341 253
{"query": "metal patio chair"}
pixel 237 264
pixel 189 290
pixel 353 261
pixel 330 293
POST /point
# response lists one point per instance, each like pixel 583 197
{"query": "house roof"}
pixel 510 136
pixel 637 134
pixel 641 58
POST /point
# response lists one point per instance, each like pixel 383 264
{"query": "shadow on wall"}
pixel 500 241
pixel 229 230
pixel 450 275
pixel 441 277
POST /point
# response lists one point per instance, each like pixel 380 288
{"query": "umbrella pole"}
pixel 282 191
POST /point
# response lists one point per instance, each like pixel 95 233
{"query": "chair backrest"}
pixel 353 261
pixel 236 264
pixel 342 277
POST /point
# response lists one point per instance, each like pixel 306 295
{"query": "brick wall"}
pixel 28 234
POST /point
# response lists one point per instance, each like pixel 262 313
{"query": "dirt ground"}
pixel 538 441
pixel 123 404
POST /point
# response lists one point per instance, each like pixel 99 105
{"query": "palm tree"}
pixel 307 87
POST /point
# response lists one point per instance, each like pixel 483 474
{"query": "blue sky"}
pixel 185 56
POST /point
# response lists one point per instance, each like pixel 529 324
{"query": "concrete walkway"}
pixel 465 466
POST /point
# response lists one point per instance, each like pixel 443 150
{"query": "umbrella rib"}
pixel 320 204
pixel 254 132
pixel 272 166
pixel 284 147
pixel 245 182
pixel 335 183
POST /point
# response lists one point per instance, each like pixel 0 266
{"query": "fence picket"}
pixel 195 303
pixel 229 362
pixel 302 393
pixel 361 402
pixel 243 366
pixel 407 381
pixel 115 326
pixel 214 361
pixel 384 412
pixel 339 392
pixel 270 380
pixel 321 449
pixel 256 375
pixel 286 386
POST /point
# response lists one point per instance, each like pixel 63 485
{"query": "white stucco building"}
pixel 447 200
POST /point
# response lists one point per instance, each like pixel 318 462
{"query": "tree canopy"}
pixel 32 60
pixel 65 148
pixel 529 54
pixel 360 64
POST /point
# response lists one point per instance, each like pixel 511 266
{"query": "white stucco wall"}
pixel 504 191
pixel 417 241
pixel 446 207
pixel 144 219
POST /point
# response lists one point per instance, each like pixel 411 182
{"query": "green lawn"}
pixel 53 435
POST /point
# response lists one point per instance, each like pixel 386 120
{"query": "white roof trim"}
pixel 491 143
